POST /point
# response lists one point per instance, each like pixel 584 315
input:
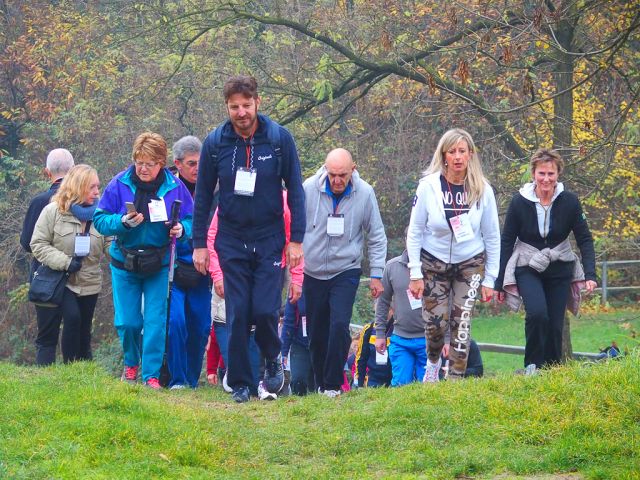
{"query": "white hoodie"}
pixel 429 230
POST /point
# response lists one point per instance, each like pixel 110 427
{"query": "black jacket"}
pixel 36 205
pixel 566 217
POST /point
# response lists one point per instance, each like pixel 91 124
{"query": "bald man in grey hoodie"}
pixel 342 213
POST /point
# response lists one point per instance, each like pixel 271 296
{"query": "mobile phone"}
pixel 131 208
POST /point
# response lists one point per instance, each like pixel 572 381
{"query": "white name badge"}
pixel 157 211
pixel 381 358
pixel 461 226
pixel 335 224
pixel 82 245
pixel 245 181
pixel 415 303
pixel 304 326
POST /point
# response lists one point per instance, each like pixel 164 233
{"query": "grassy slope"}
pixel 77 422
pixel 589 333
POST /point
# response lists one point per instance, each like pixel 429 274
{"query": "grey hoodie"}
pixel 326 256
pixel 408 322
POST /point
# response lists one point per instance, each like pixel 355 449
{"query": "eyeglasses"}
pixel 190 164
pixel 146 165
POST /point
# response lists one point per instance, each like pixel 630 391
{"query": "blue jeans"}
pixel 408 357
pixel 189 327
pixel 302 381
pixel 222 336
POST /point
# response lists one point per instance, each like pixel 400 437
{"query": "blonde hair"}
pixel 475 180
pixel 151 145
pixel 74 186
pixel 544 155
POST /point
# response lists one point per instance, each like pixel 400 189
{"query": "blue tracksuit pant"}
pixel 329 306
pixel 128 289
pixel 408 357
pixel 189 327
pixel 253 295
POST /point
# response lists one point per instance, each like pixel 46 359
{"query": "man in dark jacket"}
pixel 250 166
pixel 59 162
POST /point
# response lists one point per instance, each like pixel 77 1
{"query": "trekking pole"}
pixel 165 375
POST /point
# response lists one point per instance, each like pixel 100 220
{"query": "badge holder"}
pixel 245 181
pixel 461 226
pixel 335 224
pixel 82 244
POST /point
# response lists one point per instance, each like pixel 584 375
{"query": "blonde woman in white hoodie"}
pixel 453 242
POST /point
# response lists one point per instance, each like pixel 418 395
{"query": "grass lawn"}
pixel 589 333
pixel 76 421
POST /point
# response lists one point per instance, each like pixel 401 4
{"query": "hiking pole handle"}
pixel 175 212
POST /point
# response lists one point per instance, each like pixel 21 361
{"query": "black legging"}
pixel 77 314
pixel 545 295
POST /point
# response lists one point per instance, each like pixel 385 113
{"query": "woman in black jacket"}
pixel 536 259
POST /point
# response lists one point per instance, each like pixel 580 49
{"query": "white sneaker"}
pixel 264 394
pixel 531 369
pixel 225 385
pixel 331 393
pixel 177 386
pixel 431 372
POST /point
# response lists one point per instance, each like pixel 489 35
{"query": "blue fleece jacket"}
pixel 249 217
pixel 108 216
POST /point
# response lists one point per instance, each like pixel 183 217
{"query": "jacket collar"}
pixel 170 181
pixel 528 192
pixel 323 174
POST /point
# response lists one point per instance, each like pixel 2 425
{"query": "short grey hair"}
pixel 186 145
pixel 59 161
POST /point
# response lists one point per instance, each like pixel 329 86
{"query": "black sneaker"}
pixel 241 395
pixel 274 375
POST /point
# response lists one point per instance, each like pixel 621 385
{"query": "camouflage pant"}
pixel 450 293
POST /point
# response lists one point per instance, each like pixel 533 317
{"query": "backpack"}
pixel 273 134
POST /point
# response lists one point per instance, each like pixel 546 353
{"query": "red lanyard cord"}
pixel 453 201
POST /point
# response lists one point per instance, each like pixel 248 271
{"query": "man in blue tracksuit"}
pixel 249 165
pixel 190 314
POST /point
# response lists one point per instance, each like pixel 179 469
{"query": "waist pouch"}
pixel 186 276
pixel 145 261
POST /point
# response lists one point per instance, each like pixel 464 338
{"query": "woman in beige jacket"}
pixel 64 239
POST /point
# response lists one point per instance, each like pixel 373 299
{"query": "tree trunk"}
pixel 563 120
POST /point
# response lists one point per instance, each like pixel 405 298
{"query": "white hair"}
pixel 59 161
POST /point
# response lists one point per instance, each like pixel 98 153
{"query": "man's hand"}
pixel 201 260
pixel 381 345
pixel 417 287
pixel 501 296
pixel 294 292
pixel 445 350
pixel 294 254
pixel 218 287
pixel 375 285
pixel 212 378
pixel 590 286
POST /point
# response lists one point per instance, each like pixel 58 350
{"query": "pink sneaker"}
pixel 130 374
pixel 153 383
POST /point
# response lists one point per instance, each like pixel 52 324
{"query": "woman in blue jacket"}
pixel 140 253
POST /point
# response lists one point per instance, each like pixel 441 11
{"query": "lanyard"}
pixel 247 145
pixel 453 198
pixel 336 200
